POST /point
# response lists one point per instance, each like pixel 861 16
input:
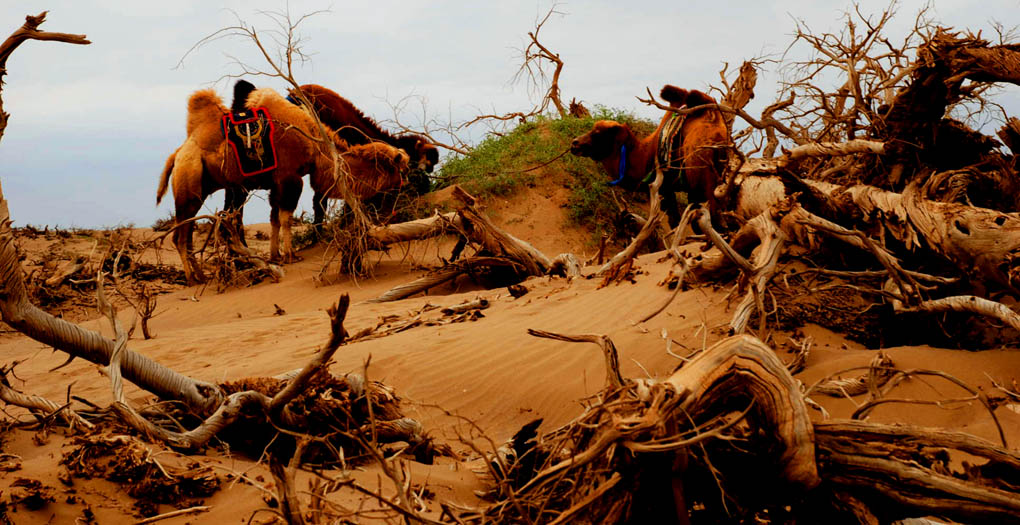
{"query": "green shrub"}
pixel 499 164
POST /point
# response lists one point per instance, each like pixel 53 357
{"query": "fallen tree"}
pixel 661 449
pixel 258 415
pixel 505 258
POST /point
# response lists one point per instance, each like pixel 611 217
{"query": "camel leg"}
pixel 274 234
pixel 319 209
pixel 669 204
pixel 284 199
pixel 286 240
pixel 234 198
pixel 183 241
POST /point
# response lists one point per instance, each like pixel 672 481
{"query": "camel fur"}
pixel 203 164
pixel 702 151
pixel 340 115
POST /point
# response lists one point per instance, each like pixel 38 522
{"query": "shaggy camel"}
pixel 699 155
pixel 204 164
pixel 340 115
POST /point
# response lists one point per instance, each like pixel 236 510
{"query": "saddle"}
pixel 250 134
pixel 671 139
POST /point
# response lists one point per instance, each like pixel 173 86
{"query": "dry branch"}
pixel 494 240
pixel 614 380
pixel 27 318
pixel 29 31
pixel 438 224
pixel 616 268
pixel 444 275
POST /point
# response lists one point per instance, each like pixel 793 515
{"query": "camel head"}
pixel 424 155
pixel 428 156
pixel 604 139
pixel 376 167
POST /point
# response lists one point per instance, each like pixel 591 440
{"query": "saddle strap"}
pixel 669 139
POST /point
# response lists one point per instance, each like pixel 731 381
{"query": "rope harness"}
pixel 623 165
pixel 669 140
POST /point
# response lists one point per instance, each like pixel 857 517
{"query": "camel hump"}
pixel 678 96
pixel 242 89
pixel 697 98
pixel 674 95
pixel 266 97
pixel 202 99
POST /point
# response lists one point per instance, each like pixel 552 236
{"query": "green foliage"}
pixel 502 163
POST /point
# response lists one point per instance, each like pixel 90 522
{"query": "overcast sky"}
pixel 91 126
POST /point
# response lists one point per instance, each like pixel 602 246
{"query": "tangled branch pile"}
pixel 728 437
pixel 926 203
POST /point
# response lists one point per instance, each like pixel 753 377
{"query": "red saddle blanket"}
pixel 250 134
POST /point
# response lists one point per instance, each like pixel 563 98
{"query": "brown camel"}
pixel 204 164
pixel 340 115
pixel 696 161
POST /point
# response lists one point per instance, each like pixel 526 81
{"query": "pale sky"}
pixel 91 126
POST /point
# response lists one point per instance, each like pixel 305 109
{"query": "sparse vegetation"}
pixel 502 163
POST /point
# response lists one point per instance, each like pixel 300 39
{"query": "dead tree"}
pixel 496 249
pixel 535 60
pixel 652 449
pixel 534 57
pixel 29 31
pixel 218 405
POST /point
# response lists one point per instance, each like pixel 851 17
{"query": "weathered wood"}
pixel 479 303
pixel 567 265
pixel 740 93
pixel 68 269
pixel 883 465
pixel 22 315
pixel 766 259
pixel 496 241
pixel 443 275
pixel 743 365
pixel 980 242
pixel 439 224
pixel 1010 135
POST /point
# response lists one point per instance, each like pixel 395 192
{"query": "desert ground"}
pixel 471 384
pixel 846 349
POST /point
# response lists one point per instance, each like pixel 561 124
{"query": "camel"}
pixel 204 164
pixel 701 152
pixel 340 115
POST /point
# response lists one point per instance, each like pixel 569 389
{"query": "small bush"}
pixel 499 164
pixel 164 224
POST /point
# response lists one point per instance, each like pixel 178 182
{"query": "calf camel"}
pixel 694 162
pixel 204 164
pixel 340 115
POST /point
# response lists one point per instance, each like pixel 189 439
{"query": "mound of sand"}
pixel 488 371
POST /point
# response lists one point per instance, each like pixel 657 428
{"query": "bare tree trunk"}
pixel 496 241
pixel 382 236
pixel 27 318
pixel 29 31
pixel 976 240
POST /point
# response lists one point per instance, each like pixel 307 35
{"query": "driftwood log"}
pixel 206 400
pixel 496 248
pixel 832 471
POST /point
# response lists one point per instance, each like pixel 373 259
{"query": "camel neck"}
pixel 622 172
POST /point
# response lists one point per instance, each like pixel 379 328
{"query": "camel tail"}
pixel 164 178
